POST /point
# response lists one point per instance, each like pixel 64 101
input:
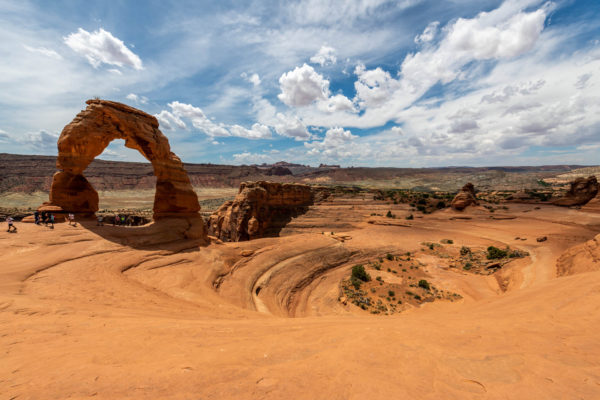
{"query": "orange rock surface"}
pixel 464 198
pixel 89 134
pixel 259 209
pixel 582 190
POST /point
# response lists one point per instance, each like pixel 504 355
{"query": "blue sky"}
pixel 406 83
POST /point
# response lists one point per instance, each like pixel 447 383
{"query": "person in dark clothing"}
pixel 51 219
pixel 36 216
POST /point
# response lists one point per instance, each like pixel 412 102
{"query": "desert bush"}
pixel 424 284
pixel 494 253
pixel 389 257
pixel 389 214
pixel 410 216
pixel 467 266
pixel 464 250
pixel 422 201
pixel 358 272
pixel 391 293
pixel 440 205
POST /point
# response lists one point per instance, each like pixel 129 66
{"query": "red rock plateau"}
pixel 260 209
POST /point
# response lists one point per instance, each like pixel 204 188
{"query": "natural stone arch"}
pixel 89 134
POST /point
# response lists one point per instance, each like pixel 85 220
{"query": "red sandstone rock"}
pixel 465 198
pixel 581 191
pixel 260 209
pixel 89 134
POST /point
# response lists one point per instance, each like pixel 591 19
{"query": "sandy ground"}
pixel 87 314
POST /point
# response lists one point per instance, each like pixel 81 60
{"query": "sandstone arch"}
pixel 89 134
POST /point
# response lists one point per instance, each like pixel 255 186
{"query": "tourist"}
pixel 44 217
pixel 122 220
pixel 36 216
pixel 130 220
pixel 11 227
pixel 72 219
pixel 100 220
pixel 116 220
pixel 51 220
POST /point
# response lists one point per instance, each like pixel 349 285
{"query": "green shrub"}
pixel 465 251
pixel 495 253
pixel 417 297
pixel 440 205
pixel 410 216
pixel 424 284
pixel 389 257
pixel 391 293
pixel 389 214
pixel 358 272
pixel 431 246
pixel 467 266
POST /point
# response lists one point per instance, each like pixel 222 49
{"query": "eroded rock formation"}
pixel 581 191
pixel 90 133
pixel 584 257
pixel 259 209
pixel 464 198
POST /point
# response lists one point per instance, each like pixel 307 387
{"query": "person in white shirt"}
pixel 11 227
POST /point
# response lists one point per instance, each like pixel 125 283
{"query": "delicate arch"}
pixel 89 134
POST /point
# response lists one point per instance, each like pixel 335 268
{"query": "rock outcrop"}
pixel 581 191
pixel 584 257
pixel 260 209
pixel 464 198
pixel 90 133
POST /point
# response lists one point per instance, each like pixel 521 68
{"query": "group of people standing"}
pixel 46 218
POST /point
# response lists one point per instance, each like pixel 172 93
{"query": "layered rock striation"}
pixel 582 190
pixel 464 198
pixel 260 209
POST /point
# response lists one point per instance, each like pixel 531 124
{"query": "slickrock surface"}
pixel 582 190
pixel 90 133
pixel 260 209
pixel 464 198
pixel 95 312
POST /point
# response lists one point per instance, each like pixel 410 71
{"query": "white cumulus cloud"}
pixel 325 56
pixel 302 86
pixel 101 47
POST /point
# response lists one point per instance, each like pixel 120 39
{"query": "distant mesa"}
pixel 582 190
pixel 331 166
pixel 89 134
pixel 465 198
pixel 278 170
pixel 260 209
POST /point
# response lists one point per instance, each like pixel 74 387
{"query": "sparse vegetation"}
pixel 494 253
pixel 424 284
